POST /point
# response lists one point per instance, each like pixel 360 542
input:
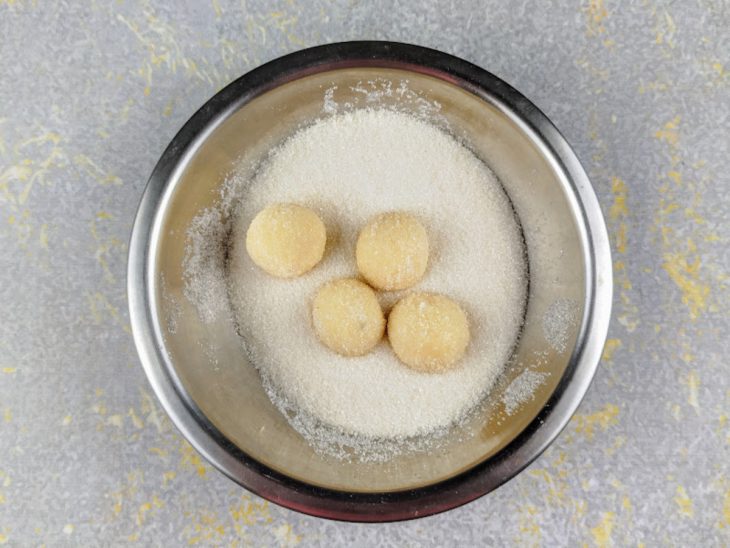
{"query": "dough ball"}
pixel 347 317
pixel 428 332
pixel 286 240
pixel 392 251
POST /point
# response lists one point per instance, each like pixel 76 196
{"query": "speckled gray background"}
pixel 90 94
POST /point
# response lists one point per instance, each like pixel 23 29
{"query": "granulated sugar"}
pixel 522 389
pixel 204 264
pixel 559 317
pixel 348 168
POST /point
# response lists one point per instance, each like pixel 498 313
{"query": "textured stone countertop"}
pixel 91 93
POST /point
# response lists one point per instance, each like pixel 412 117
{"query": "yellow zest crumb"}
pixel 586 424
pixel 684 502
pixel 602 532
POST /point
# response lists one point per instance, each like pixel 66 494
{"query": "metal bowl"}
pixel 200 372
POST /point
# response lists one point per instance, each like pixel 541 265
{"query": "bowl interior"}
pixel 207 358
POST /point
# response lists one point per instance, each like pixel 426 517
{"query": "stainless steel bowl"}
pixel 213 394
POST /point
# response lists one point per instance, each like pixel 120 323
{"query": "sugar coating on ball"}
pixel 347 317
pixel 428 332
pixel 392 251
pixel 286 240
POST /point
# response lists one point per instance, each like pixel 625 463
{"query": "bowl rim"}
pixel 355 506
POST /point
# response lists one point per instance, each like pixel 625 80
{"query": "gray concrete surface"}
pixel 91 92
